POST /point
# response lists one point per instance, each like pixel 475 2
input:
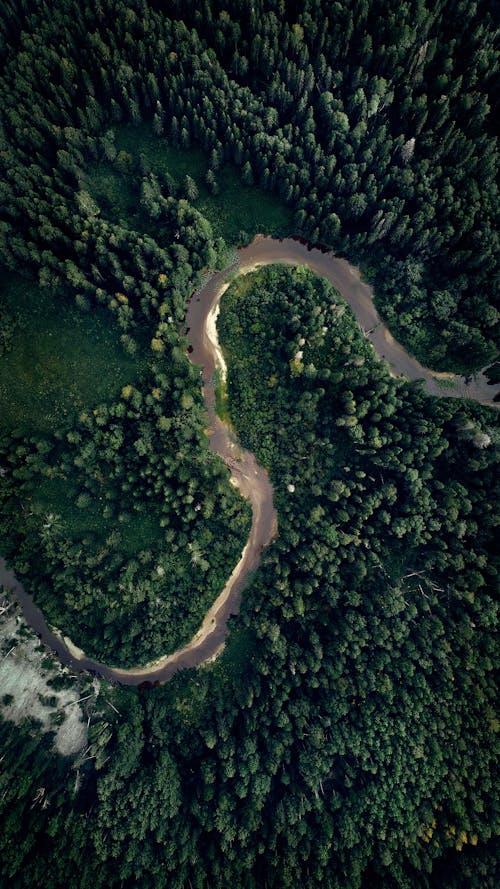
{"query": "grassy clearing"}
pixel 161 157
pixel 57 496
pixel 236 213
pixel 237 660
pixel 118 196
pixel 240 209
pixel 59 359
pixel 114 192
pixel 189 692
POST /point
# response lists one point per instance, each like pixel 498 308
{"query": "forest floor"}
pixel 234 212
pixel 26 670
pixel 60 362
pixel 59 359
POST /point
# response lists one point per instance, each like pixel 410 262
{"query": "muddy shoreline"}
pixel 346 278
pixel 252 481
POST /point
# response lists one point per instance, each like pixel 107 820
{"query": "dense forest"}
pixel 347 735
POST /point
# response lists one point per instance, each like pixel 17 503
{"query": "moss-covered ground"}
pixel 57 359
pixel 236 212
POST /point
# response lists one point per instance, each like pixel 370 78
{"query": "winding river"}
pixel 250 478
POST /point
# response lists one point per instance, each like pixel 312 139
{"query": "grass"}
pixel 59 361
pixel 190 691
pixel 239 209
pixel 445 384
pixel 160 156
pixel 138 530
pixel 114 192
pixel 236 213
pixel 117 195
pixel 237 659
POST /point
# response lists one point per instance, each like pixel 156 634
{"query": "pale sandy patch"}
pixel 212 336
pixel 207 627
pixel 73 649
pixel 23 676
pixel 442 375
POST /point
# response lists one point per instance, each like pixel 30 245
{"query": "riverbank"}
pixel 252 481
pixel 346 278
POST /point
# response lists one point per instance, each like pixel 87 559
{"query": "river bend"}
pixel 250 478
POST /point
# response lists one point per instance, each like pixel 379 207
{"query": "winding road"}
pixel 250 478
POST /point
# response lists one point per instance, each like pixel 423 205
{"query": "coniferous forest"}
pixel 347 736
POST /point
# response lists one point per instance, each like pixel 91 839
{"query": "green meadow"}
pixel 58 359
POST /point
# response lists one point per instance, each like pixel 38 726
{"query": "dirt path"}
pixel 252 481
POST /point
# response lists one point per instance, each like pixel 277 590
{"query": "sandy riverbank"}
pixel 246 474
